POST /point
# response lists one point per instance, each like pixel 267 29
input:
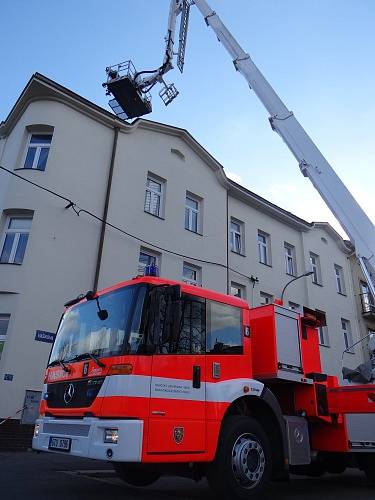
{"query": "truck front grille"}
pixel 74 393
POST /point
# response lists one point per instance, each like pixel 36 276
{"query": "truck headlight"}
pixel 111 436
pixel 36 430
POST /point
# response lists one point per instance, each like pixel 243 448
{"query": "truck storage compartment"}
pixel 276 344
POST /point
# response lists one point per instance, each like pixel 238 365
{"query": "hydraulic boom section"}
pixel 132 99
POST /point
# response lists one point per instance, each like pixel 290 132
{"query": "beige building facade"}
pixel 166 201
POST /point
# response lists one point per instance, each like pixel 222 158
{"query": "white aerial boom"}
pixel 136 102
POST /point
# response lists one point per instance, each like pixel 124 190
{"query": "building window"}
pixel 290 259
pixel 323 335
pixel 315 268
pixel 346 330
pixel 14 240
pixel 371 344
pixel 192 209
pixel 295 307
pixel 147 258
pixel 367 300
pixel 37 151
pixel 340 283
pixel 237 236
pixel 237 290
pixel 264 248
pixel 191 274
pixel 265 298
pixel 323 332
pixel 155 188
pixel 224 329
pixel 4 323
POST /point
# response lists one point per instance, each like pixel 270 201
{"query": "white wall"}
pixel 61 253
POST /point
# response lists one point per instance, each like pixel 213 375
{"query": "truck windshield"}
pixel 82 332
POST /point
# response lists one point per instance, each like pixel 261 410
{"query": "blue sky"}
pixel 318 55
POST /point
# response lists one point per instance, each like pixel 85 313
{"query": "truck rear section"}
pixel 160 377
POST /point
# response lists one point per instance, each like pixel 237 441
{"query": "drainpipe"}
pixel 105 211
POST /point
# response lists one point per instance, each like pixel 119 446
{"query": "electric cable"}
pixel 78 210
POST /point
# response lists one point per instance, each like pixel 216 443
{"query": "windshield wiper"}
pixel 88 355
pixel 60 362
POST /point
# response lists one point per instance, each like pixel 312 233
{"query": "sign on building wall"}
pixel 42 336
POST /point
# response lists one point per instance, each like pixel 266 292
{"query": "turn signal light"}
pixel 120 369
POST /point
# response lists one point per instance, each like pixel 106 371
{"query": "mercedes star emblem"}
pixel 69 393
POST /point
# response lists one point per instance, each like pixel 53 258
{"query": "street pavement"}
pixel 45 476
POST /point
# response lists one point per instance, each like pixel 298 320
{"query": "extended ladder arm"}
pixel 312 163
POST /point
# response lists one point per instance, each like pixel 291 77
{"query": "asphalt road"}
pixel 30 476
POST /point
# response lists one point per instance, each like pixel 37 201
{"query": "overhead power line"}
pixel 78 210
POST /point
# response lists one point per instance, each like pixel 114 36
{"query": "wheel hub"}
pixel 248 460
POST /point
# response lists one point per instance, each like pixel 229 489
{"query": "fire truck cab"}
pixel 161 377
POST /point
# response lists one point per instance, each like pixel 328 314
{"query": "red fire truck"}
pixel 161 377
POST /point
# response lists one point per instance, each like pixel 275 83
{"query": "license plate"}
pixel 61 444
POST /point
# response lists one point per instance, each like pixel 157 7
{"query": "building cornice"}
pixel 344 245
pixel 241 193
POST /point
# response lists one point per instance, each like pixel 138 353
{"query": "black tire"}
pixel 366 463
pixel 370 474
pixel 136 474
pixel 243 463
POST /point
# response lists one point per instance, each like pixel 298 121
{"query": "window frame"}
pixel 293 306
pixel 340 280
pixel 190 211
pixel 367 299
pixel 316 277
pixel 161 195
pixel 323 335
pixel 267 296
pixel 189 299
pixel 17 232
pixel 153 255
pixel 240 288
pixel 290 258
pixel 3 338
pixel 266 246
pixel 236 236
pixel 39 146
pixel 197 281
pixel 208 351
pixel 347 334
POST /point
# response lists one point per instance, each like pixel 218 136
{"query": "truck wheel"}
pixel 370 474
pixel 136 474
pixel 243 463
pixel 367 464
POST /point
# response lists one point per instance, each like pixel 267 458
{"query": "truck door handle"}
pixel 196 377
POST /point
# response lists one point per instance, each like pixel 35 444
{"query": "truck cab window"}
pixel 224 329
pixel 193 326
pixel 192 333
